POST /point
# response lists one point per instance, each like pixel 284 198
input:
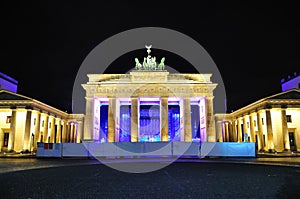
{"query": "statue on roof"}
pixel 161 66
pixel 138 65
pixel 148 49
pixel 149 62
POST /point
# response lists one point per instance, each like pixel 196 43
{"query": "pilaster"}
pixel 111 120
pixel 270 144
pixel 187 119
pixel 89 119
pixel 27 133
pixel 12 130
pixel 134 120
pixel 164 119
pixel 285 135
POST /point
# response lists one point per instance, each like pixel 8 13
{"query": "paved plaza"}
pixel 185 178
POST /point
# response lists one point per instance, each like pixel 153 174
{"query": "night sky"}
pixel 254 45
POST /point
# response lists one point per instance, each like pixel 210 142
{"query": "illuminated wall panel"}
pixel 103 122
pixel 125 123
pixel 195 122
pixel 149 123
pixel 173 123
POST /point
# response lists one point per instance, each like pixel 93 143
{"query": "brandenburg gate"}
pixel 149 104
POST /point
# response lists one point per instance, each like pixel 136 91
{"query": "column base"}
pixel 271 151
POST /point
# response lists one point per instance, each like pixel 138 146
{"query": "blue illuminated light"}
pixel 174 123
pixel 195 121
pixel 125 123
pixel 103 122
pixel 149 123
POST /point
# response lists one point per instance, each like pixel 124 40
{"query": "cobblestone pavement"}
pixel 267 176
pixel 184 179
pixel 17 164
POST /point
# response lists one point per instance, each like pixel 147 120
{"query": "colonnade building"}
pixel 150 105
pixel 273 123
pixel 24 122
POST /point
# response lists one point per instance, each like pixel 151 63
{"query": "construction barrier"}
pixel 90 149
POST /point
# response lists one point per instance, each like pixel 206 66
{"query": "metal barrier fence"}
pixel 90 149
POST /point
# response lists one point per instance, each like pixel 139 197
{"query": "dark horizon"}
pixel 253 45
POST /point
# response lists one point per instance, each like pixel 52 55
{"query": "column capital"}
pixel 268 106
pixel 283 106
pixel 14 108
pixel 45 112
pixel 209 97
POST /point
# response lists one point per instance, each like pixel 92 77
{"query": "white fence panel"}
pixel 74 150
pixel 185 148
pixel 226 149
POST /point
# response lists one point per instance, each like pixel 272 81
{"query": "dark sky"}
pixel 44 43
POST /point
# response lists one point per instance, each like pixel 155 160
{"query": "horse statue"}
pixel 145 65
pixel 138 65
pixel 154 64
pixel 161 66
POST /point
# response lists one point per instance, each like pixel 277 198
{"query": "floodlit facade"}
pixel 149 106
pixel 24 122
pixel 273 123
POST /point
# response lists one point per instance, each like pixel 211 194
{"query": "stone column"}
pixel 164 120
pixel 51 128
pixel 239 129
pixel 79 132
pixel 210 120
pixel 75 132
pixel 219 131
pixel 260 132
pixel 226 136
pixel 134 120
pixel 245 125
pixel 71 132
pixel 27 133
pixel 285 134
pixel 37 131
pixel 234 131
pixel 89 119
pixel 68 125
pixel 111 120
pixel 12 130
pixel 45 128
pixel 252 131
pixel 187 119
pixel 58 131
pixel 231 132
pixel 269 130
pixel 64 132
pixel 117 119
